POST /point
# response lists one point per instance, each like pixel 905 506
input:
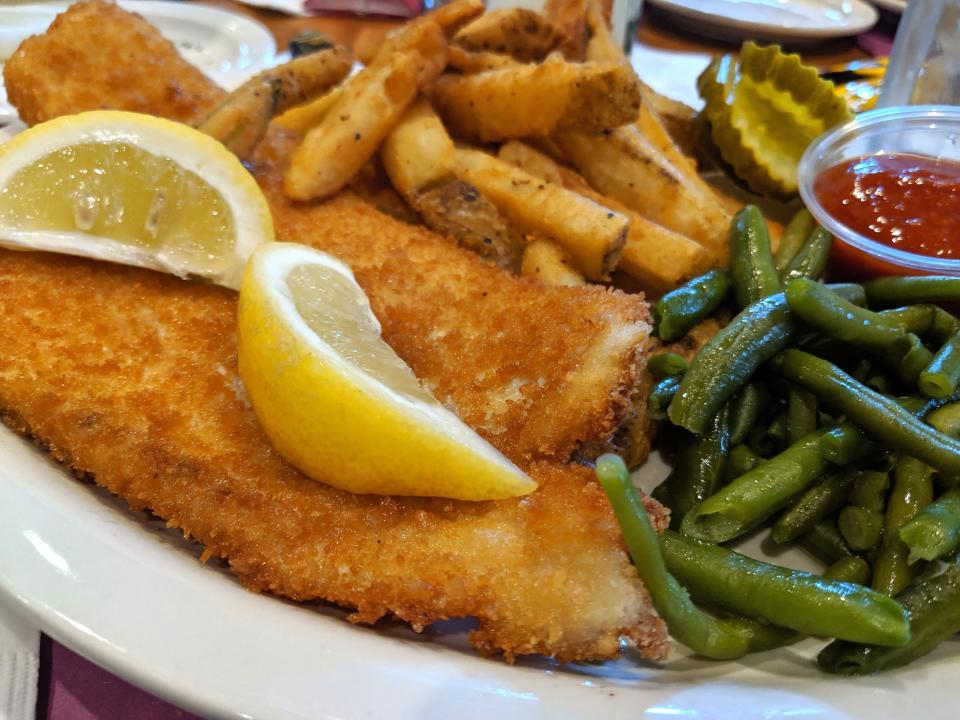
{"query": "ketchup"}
pixel 909 202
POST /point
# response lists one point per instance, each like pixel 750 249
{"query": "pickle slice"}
pixel 763 111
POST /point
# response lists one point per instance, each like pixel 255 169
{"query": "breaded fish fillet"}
pixel 85 60
pixel 131 376
pixel 541 371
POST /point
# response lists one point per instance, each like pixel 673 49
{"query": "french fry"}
pixel 455 208
pixel 469 62
pixel 653 129
pixel 531 160
pixel 659 258
pixel 570 17
pixel 418 152
pixel 372 184
pixel 522 34
pixel 537 100
pixel 625 166
pixel 548 263
pixel 677 118
pixel 423 37
pixel 303 117
pixel 240 120
pixel 454 15
pixel 372 103
pixel 410 36
pixel 418 156
pixel 601 47
pixel 592 234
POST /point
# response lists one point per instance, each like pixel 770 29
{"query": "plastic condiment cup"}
pixel 930 130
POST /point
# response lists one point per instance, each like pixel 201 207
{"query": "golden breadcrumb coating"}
pixel 98 56
pixel 131 376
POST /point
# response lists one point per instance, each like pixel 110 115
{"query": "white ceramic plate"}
pixel 228 47
pixel 895 6
pixel 124 591
pixel 794 20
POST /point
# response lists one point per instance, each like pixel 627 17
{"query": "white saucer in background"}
pixel 793 20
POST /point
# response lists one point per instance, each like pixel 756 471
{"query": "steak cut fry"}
pixel 522 34
pixel 626 166
pixel 241 119
pixel 593 235
pixel 536 100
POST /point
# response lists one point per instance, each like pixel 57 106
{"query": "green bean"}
pixel 679 310
pixel 811 260
pixel 801 601
pixel 699 471
pixel 824 498
pixel 687 624
pixel 666 365
pixel 794 237
pixel 835 317
pixel 740 460
pixel 917 319
pixel 861 528
pixel 746 408
pixel 755 496
pixel 912 491
pixel 889 291
pixel 802 417
pixel 910 358
pixel 933 607
pixel 940 378
pixel 946 419
pixel 851 569
pixel 935 531
pixel 881 382
pixel 846 443
pixel 770 439
pixel 824 543
pixel 880 416
pixel 861 524
pixel 752 270
pixel 730 358
pixel 760 636
pixel 869 490
pixel 660 397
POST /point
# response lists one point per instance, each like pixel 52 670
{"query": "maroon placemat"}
pixel 72 688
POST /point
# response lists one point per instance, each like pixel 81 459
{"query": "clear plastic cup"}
pixel 930 130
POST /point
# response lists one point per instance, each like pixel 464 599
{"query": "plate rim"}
pixel 684 9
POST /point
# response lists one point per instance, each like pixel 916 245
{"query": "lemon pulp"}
pixel 334 398
pixel 327 302
pixel 124 193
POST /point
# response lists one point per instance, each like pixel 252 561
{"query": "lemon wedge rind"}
pixel 337 422
pixel 185 147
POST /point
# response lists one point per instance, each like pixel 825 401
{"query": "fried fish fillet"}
pixel 94 48
pixel 131 376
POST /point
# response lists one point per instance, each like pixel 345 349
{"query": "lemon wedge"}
pixel 131 189
pixel 337 401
